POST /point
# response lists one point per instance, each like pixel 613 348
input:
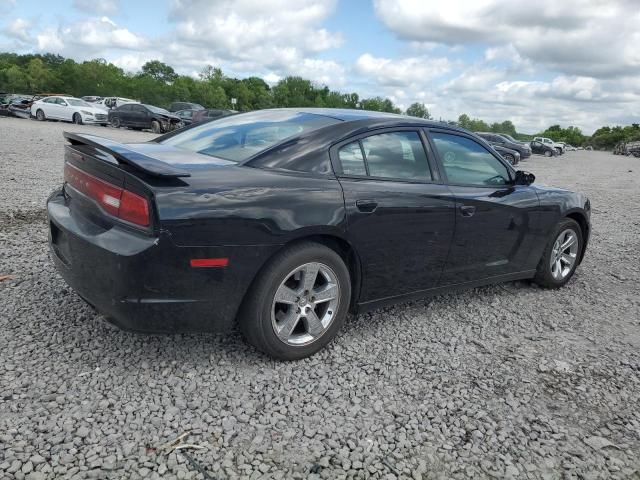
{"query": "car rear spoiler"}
pixel 122 153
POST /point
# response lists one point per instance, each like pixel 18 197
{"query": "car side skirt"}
pixel 374 304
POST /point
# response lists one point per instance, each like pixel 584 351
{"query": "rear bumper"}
pixel 144 283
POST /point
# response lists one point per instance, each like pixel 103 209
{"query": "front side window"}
pixel 396 155
pixel 466 162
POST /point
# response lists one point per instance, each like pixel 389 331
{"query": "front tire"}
pixel 548 153
pixel 156 127
pixel 77 119
pixel 561 255
pixel 510 158
pixel 115 122
pixel 298 303
pixel 40 115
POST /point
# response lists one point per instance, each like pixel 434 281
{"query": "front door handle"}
pixel 366 206
pixel 467 210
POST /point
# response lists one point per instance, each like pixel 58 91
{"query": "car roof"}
pixel 347 114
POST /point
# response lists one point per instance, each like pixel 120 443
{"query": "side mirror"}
pixel 524 178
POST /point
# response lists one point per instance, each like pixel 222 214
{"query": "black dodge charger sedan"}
pixel 286 220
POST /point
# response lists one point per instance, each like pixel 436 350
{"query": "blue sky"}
pixel 535 63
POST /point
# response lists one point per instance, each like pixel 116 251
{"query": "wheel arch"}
pixel 581 220
pixel 330 240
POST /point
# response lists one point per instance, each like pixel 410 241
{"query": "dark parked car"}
pixel 177 106
pixel 139 116
pixel 286 220
pixel 543 149
pixel 509 155
pixel 498 139
pixel 186 116
pixel 212 113
pixel 194 116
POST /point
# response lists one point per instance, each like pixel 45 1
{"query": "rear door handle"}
pixel 367 206
pixel 467 210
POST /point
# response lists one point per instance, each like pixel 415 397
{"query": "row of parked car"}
pixel 114 111
pixel 514 150
pixel 125 112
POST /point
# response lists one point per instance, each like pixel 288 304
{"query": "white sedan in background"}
pixel 69 109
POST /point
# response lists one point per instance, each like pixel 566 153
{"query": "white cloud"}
pixel 104 7
pixel 258 35
pixel 402 72
pixel 581 37
pixel 19 29
pixel 89 37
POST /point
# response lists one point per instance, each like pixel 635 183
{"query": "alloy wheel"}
pixel 305 304
pixel 564 254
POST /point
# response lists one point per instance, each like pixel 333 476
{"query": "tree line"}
pixel 158 84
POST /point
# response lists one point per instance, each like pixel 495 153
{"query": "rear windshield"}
pixel 239 137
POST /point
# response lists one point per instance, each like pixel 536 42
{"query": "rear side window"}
pixel 466 162
pixel 352 160
pixel 394 155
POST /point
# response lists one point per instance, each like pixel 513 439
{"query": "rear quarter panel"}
pixel 242 205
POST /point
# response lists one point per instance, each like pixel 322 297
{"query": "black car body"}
pixel 140 116
pixel 177 106
pixel 498 139
pixel 179 234
pixel 540 148
pixel 511 156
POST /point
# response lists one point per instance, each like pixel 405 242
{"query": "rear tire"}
pixel 314 286
pixel 156 127
pixel 561 255
pixel 77 119
pixel 40 115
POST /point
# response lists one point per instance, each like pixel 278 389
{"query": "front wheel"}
pixel 561 255
pixel 40 115
pixel 156 127
pixel 297 303
pixel 547 153
pixel 510 158
pixel 77 119
pixel 115 122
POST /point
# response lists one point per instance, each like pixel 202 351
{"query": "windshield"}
pixel 76 102
pixel 509 137
pixel 240 137
pixel 157 110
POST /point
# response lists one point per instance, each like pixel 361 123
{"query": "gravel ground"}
pixel 505 381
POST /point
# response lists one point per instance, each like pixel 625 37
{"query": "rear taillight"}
pixel 114 200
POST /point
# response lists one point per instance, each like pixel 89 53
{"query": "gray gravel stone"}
pixel 502 381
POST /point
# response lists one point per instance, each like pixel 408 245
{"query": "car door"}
pixel 65 112
pixel 51 108
pixel 140 116
pixel 400 216
pixel 124 114
pixel 496 220
pixel 536 147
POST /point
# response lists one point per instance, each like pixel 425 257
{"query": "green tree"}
pixel 419 110
pixel 159 71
